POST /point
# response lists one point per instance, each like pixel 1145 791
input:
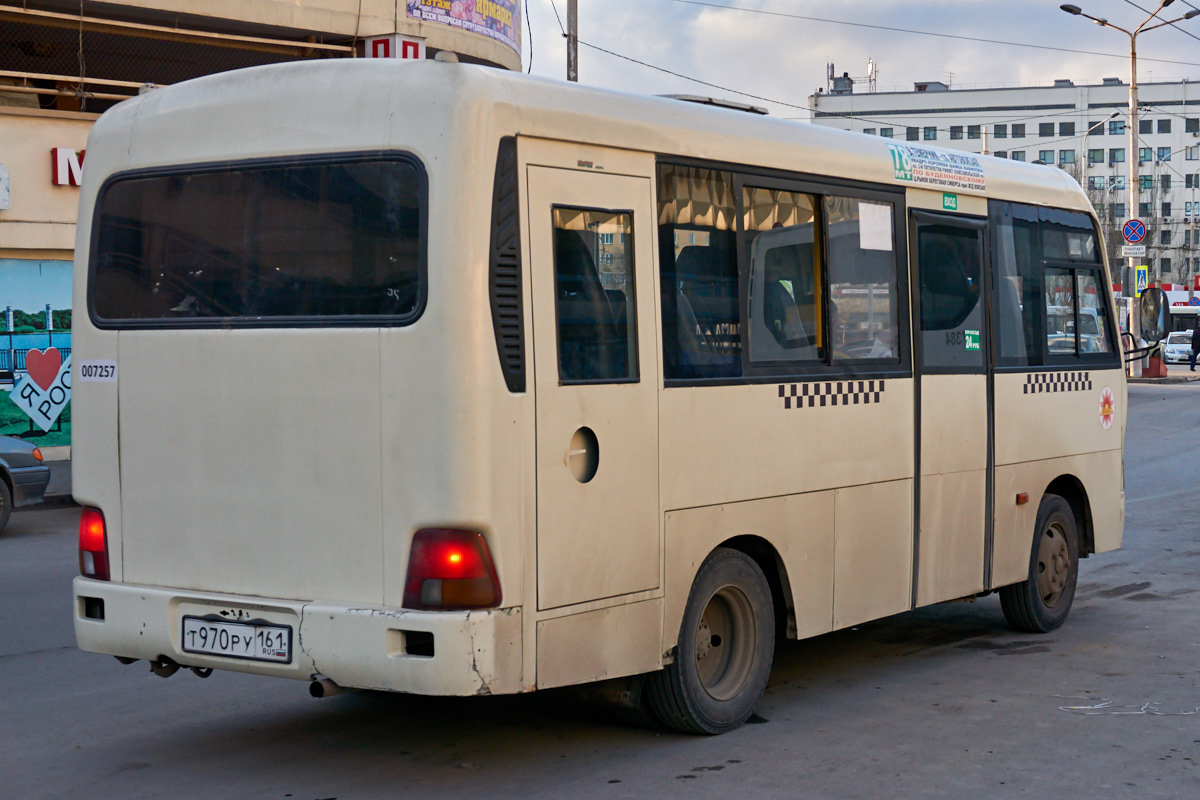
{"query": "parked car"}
pixel 23 476
pixel 1177 347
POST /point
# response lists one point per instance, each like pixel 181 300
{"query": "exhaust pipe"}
pixel 163 667
pixel 323 687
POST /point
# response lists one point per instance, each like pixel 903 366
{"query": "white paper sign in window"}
pixel 874 226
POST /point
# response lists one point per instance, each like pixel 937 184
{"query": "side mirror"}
pixel 1153 310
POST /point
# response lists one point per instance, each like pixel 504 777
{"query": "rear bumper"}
pixel 474 652
pixel 29 485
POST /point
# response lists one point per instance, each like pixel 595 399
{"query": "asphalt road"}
pixel 944 702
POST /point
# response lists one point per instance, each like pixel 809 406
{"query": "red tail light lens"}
pixel 93 545
pixel 449 569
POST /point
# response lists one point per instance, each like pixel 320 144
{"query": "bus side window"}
pixel 593 288
pixel 951 277
pixel 785 281
pixel 699 273
pixel 862 279
pixel 1016 256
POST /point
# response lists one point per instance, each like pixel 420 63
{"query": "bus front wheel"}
pixel 1042 601
pixel 726 643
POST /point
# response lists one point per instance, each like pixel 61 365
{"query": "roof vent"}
pixel 1063 83
pixel 1112 81
pixel 930 86
pixel 713 101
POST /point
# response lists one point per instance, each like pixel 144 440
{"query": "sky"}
pixel 781 59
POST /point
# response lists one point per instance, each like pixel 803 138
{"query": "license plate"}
pixel 248 640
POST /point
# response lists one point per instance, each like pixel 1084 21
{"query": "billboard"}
pixel 495 19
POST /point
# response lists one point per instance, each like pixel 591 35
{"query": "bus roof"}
pixel 305 107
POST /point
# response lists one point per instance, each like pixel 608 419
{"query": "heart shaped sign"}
pixel 43 366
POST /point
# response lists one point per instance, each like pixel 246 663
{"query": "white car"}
pixel 1177 347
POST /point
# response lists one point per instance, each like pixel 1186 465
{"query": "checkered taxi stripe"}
pixel 1051 382
pixel 830 393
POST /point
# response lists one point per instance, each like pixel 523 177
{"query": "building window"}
pixel 1191 181
pixel 956 131
pixel 1096 128
pixel 1145 154
pixel 1018 130
pixel 930 133
pixel 972 131
pixel 1066 129
pixel 912 134
pixel 1164 154
pixel 1066 156
pixel 1164 266
pixel 1096 182
pixel 1116 155
pixel 1000 131
pixel 869 131
pixel 885 133
pixel 1166 209
pixel 1100 210
pixel 1166 183
pixel 1164 236
pixel 1145 182
pixel 1145 126
pixel 1191 125
pixel 1187 212
pixel 1017 155
pixel 1192 153
pixel 1143 210
pixel 1116 127
pixel 1164 125
pixel 1118 210
pixel 1046 129
pixel 1046 156
pixel 1116 182
pixel 1001 154
pixel 1096 157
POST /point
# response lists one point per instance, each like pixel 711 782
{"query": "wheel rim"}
pixel 1054 565
pixel 725 641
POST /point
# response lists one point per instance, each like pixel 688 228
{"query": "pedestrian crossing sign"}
pixel 1141 280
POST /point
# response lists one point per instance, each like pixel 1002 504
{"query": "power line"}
pixel 671 72
pixel 930 33
pixel 693 80
pixel 1173 25
pixel 557 17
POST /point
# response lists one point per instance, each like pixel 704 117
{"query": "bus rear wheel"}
pixel 726 643
pixel 1042 601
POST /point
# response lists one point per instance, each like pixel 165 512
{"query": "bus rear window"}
pixel 315 241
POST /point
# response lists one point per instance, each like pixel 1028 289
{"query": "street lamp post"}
pixel 1134 186
pixel 1135 327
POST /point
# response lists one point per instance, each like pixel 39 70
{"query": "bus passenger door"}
pixel 596 379
pixel 954 413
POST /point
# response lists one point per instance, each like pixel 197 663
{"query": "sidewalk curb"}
pixel 1168 379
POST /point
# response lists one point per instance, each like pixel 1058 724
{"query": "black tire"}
pixel 5 505
pixel 726 643
pixel 1043 600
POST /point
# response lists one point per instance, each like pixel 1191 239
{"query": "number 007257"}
pixel 237 640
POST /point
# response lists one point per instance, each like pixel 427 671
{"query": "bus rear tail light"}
pixel 450 569
pixel 93 545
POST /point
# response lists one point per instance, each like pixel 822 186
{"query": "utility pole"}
pixel 573 40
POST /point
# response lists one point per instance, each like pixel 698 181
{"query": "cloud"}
pixel 784 58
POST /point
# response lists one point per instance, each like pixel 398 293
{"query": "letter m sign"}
pixel 66 166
